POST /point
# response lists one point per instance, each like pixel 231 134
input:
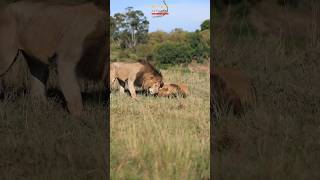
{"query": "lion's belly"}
pixel 136 87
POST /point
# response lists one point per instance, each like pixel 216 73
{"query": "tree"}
pixel 205 25
pixel 131 28
pixel 113 28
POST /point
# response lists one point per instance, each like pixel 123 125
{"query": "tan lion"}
pixel 135 75
pixel 173 90
pixel 74 35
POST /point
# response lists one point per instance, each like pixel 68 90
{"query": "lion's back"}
pixel 45 27
pixel 124 70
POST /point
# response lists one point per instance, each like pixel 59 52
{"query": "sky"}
pixel 185 14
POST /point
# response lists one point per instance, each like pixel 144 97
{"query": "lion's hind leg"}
pixel 132 89
pixel 113 77
pixel 39 76
pixel 122 86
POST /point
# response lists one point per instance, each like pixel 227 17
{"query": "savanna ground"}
pixel 162 138
pixel 41 140
pixel 279 48
pixel 154 138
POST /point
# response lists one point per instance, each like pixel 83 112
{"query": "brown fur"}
pixel 173 90
pixel 232 89
pixel 75 34
pixel 141 74
pixel 93 61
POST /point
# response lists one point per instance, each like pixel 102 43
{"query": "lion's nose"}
pixel 153 91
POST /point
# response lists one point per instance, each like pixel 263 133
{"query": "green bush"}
pixel 173 53
pixel 144 51
pixel 124 54
pixel 200 48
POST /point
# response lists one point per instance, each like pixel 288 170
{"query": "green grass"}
pixel 161 138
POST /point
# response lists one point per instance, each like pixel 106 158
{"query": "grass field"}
pixel 277 139
pixel 161 138
pixel 154 138
pixel 42 141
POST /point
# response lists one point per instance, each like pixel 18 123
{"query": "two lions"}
pixel 74 35
pixel 136 75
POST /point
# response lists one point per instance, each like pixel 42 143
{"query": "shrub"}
pixel 173 53
pixel 200 48
pixel 145 51
pixel 124 54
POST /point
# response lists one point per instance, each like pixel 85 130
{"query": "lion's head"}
pixel 150 78
pixel 153 85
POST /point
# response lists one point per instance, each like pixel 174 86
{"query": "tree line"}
pixel 130 37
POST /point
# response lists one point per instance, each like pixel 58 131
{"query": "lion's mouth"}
pixel 152 91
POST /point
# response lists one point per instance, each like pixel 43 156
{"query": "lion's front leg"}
pixel 132 90
pixel 70 87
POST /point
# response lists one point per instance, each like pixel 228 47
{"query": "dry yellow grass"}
pixel 161 138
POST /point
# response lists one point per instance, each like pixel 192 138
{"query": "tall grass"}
pixel 161 138
pixel 278 138
pixel 41 140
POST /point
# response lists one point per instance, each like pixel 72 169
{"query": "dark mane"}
pixel 146 74
pixel 150 68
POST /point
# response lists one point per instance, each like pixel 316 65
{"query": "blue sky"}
pixel 185 14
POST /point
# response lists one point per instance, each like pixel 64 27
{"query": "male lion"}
pixel 141 75
pixel 75 35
